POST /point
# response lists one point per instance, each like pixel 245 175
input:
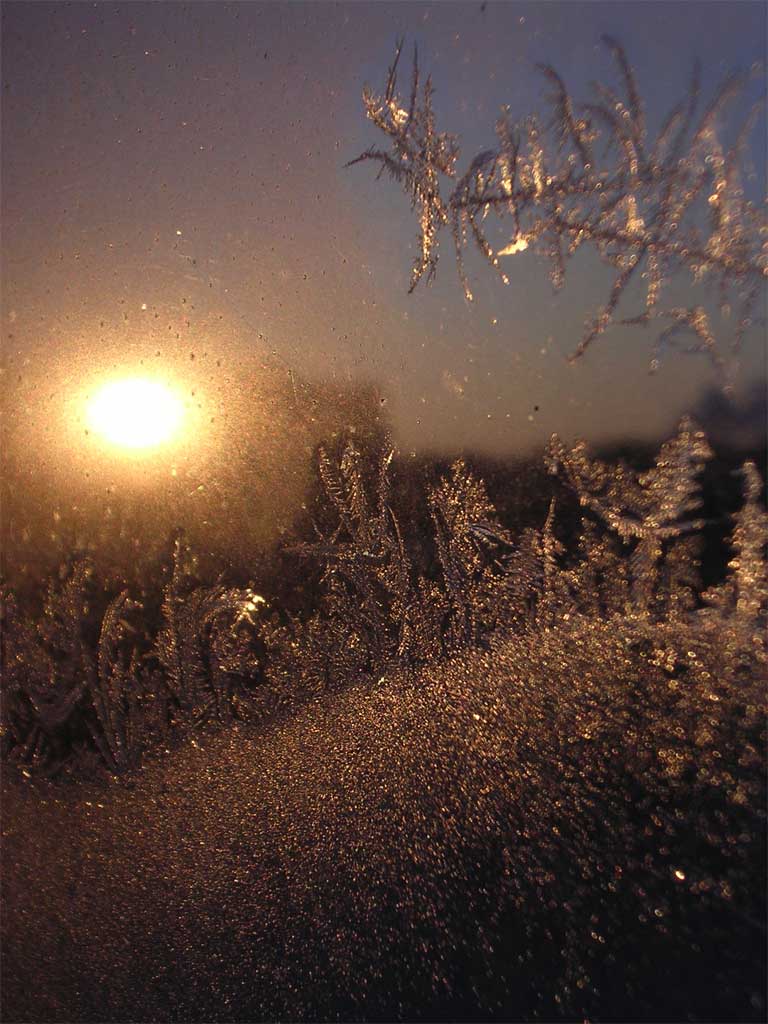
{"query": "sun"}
pixel 135 413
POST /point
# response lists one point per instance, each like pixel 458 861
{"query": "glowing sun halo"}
pixel 135 413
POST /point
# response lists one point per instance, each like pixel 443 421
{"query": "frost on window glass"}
pixel 383 635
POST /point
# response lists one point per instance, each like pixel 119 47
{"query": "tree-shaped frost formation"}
pixel 745 591
pixel 419 155
pixel 201 645
pixel 591 174
pixel 647 510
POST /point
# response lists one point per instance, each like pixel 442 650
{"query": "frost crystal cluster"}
pixel 616 545
pixel 82 685
pixel 522 776
pixel 591 174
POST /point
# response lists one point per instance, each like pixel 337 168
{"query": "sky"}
pixel 174 189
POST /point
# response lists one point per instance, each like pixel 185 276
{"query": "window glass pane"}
pixel 383 525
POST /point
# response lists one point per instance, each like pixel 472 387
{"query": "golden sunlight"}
pixel 135 413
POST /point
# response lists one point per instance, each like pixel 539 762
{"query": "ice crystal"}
pixel 639 207
pixel 537 791
pixel 645 510
pixel 745 591
pixel 205 639
pixel 114 690
pixel 47 668
pixel 569 825
pixel 463 519
pixel 419 154
pixel 79 681
pixel 90 672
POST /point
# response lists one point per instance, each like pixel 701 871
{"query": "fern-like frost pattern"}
pixel 591 176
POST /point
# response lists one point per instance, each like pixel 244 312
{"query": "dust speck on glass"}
pixel 384 591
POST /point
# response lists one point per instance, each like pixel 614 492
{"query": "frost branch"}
pixel 651 209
